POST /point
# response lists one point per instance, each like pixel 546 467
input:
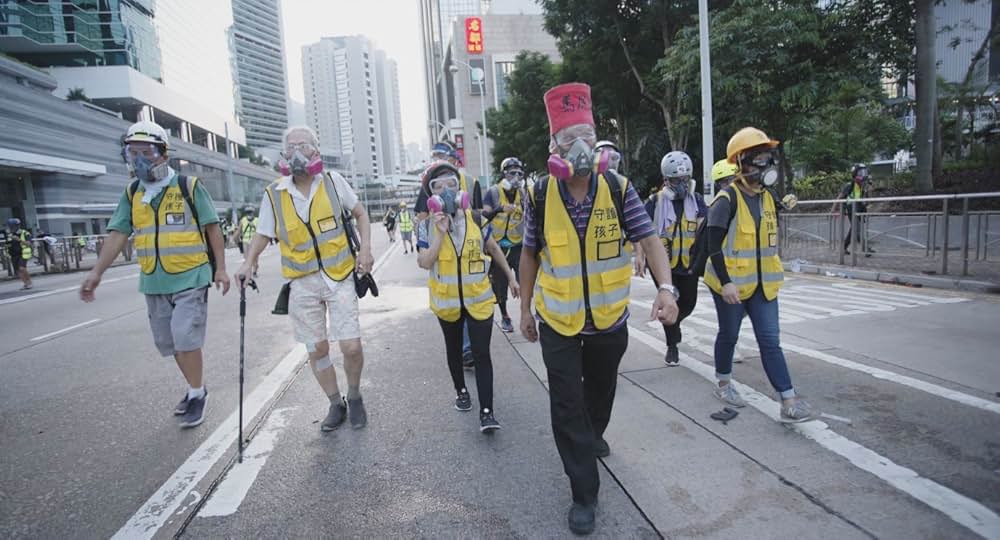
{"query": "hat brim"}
pixel 769 144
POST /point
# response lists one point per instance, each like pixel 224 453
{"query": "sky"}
pixel 393 25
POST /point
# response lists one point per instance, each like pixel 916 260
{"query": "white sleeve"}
pixel 347 196
pixel 265 225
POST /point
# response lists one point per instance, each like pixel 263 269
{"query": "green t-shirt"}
pixel 160 282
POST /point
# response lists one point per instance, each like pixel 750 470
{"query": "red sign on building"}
pixel 474 35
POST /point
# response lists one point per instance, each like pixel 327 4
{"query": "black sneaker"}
pixel 195 413
pixel 181 407
pixel 463 402
pixel 673 355
pixel 487 422
pixel 335 416
pixel 468 362
pixel 581 518
pixel 601 448
pixel 357 413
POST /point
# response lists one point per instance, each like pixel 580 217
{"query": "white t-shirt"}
pixel 348 199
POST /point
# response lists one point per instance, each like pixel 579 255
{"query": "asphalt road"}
pixel 909 446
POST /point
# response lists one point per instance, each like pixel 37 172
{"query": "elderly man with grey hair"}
pixel 306 211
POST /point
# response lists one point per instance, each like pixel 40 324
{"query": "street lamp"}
pixel 477 75
pixel 444 129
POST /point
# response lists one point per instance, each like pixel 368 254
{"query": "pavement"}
pixel 908 447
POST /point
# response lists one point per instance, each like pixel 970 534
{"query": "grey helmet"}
pixel 676 164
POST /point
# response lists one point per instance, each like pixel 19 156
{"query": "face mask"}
pixel 676 189
pixel 578 162
pixel 767 170
pixel 145 170
pixel 448 201
pixel 300 165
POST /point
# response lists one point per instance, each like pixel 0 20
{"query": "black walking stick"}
pixel 243 317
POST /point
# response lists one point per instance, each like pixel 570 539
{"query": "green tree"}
pixel 77 94
pixel 520 127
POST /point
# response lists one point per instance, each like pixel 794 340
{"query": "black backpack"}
pixel 698 253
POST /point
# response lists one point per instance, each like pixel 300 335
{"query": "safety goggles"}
pixel 442 183
pixel 439 156
pixel 146 150
pixel 679 180
pixel 581 132
pixel 764 158
pixel 306 148
pixel 514 173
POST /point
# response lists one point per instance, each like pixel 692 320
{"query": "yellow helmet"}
pixel 722 169
pixel 745 139
pixel 402 204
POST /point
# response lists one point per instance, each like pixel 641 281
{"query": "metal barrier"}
pixel 915 241
pixel 65 254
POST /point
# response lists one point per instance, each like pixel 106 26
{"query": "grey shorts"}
pixel 407 235
pixel 178 320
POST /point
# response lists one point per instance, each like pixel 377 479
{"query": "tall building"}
pixel 259 70
pixel 345 79
pixel 456 96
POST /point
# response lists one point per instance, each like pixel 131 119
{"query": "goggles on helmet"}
pixel 442 183
pixel 146 150
pixel 437 155
pixel 514 173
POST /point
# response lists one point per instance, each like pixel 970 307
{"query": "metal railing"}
pixel 917 240
pixel 65 254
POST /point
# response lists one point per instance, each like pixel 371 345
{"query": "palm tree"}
pixel 77 94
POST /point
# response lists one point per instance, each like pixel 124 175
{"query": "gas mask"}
pixel 299 165
pixel 512 181
pixel 676 188
pixel 766 165
pixel 449 201
pixel 579 161
pixel 144 169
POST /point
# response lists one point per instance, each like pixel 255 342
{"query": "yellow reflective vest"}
pixel 248 228
pixel 745 244
pixel 26 251
pixel 168 235
pixel 320 243
pixel 405 221
pixel 581 276
pixel 509 225
pixel 679 236
pixel 460 277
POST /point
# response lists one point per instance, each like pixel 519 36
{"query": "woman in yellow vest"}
pixel 744 270
pixel 676 211
pixel 458 256
pixel 503 206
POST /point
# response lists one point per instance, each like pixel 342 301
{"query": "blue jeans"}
pixel 764 317
pixel 466 344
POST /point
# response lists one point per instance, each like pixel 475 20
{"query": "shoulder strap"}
pixel 538 192
pixel 619 186
pixel 131 189
pixel 187 183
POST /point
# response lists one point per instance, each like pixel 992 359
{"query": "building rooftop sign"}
pixel 474 35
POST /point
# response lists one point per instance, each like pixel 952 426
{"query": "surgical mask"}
pixel 145 170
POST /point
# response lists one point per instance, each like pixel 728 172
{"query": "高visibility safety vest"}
pixel 169 235
pixel 460 277
pixel 405 221
pixel 581 276
pixel 679 236
pixel 26 251
pixel 509 225
pixel 320 243
pixel 745 244
pixel 248 228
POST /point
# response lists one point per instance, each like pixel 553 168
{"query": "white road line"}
pixel 878 373
pixel 226 498
pixel 67 329
pixel 904 295
pixel 62 290
pixel 961 509
pixel 158 509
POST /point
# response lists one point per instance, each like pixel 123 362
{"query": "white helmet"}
pixel 676 164
pixel 148 132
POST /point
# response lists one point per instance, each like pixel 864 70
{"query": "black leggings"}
pixel 687 285
pixel 499 277
pixel 480 333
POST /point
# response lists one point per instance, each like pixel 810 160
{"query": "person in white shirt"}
pixel 308 211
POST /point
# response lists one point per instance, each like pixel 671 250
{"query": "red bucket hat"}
pixel 568 105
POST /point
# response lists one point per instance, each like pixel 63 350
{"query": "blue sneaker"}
pixel 195 413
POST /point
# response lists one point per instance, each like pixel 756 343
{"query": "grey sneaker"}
pixel 673 356
pixel 463 402
pixel 181 407
pixel 728 394
pixel 357 413
pixel 195 413
pixel 335 417
pixel 507 325
pixel 487 422
pixel 798 411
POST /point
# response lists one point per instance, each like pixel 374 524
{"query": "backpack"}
pixel 698 253
pixel 617 185
pixel 186 184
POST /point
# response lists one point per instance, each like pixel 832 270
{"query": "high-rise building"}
pixel 259 70
pixel 343 90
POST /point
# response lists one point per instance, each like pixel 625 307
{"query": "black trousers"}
pixel 499 277
pixel 480 333
pixel 856 231
pixel 583 374
pixel 687 285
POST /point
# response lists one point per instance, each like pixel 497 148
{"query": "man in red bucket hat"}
pixel 576 259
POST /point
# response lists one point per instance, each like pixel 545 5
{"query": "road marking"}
pixel 228 496
pixel 904 295
pixel 58 291
pixel 878 373
pixel 162 504
pixel 961 509
pixel 67 329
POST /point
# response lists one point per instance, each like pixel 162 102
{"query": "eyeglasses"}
pixel 146 150
pixel 304 147
pixel 514 174
pixel 443 182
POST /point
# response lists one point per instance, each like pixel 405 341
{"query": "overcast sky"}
pixel 393 25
